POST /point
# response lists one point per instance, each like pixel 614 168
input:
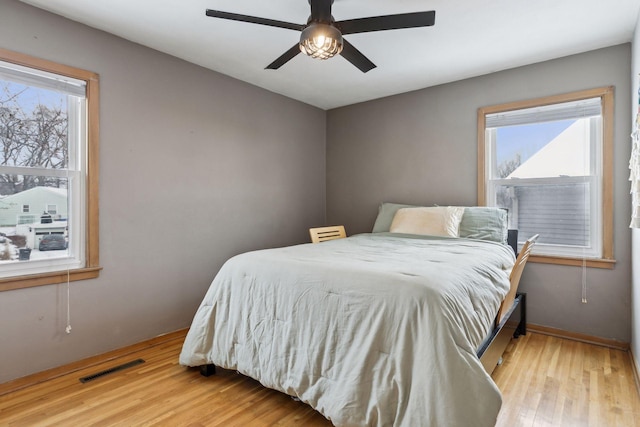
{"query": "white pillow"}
pixel 434 221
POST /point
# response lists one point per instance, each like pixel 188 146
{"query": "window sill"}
pixel 21 282
pixel 577 262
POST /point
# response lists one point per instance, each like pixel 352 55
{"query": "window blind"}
pixel 42 79
pixel 567 110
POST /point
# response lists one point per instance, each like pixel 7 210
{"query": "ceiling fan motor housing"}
pixel 321 41
pixel 320 11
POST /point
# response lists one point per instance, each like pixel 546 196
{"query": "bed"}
pixel 377 329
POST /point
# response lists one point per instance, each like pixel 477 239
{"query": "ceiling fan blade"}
pixel 254 20
pixel 284 58
pixel 353 55
pixel 387 22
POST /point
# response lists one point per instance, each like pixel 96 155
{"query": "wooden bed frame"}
pixel 513 325
pixel 511 320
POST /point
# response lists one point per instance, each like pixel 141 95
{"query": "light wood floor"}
pixel 545 381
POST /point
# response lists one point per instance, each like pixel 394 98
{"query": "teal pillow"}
pixel 386 212
pixel 484 223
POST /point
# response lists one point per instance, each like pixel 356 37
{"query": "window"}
pixel 548 162
pixel 48 158
pixel 25 219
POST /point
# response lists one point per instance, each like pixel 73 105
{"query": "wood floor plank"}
pixel 545 381
pixel 568 383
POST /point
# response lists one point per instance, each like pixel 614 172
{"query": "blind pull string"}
pixel 584 280
pixel 585 202
pixel 584 261
pixel 68 328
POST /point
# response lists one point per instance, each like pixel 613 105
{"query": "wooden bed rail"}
pixel 514 278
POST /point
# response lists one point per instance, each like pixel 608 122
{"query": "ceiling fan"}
pixel 322 35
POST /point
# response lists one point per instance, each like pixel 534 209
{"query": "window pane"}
pixel 559 213
pixel 543 150
pixel 44 233
pixel 544 178
pixel 33 127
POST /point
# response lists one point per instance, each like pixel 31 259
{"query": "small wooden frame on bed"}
pixel 392 327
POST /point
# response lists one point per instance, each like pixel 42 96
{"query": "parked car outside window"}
pixel 53 242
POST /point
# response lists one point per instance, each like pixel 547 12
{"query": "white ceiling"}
pixel 470 38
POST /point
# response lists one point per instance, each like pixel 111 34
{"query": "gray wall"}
pixel 421 148
pixel 635 299
pixel 195 167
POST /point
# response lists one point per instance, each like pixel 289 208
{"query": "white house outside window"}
pixel 545 163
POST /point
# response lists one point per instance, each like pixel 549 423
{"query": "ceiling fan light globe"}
pixel 321 41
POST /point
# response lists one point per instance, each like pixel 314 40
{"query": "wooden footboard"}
pixel 513 324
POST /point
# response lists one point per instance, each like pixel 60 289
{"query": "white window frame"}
pixel 75 173
pixel 594 247
pixel 599 253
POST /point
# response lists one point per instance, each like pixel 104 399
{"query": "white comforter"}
pixel 374 330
